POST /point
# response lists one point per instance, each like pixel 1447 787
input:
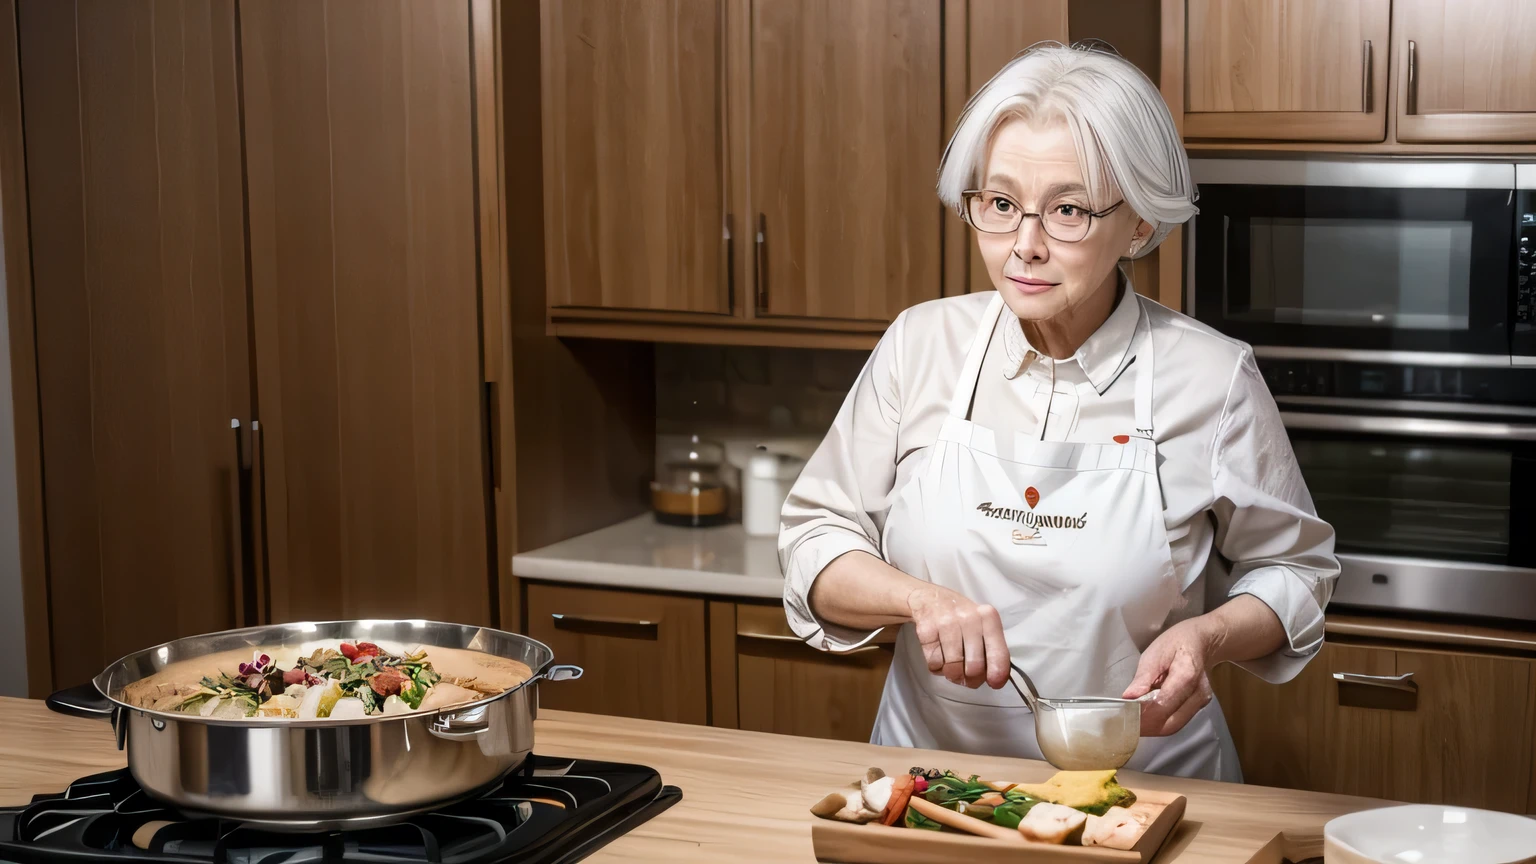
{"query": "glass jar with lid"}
pixel 689 489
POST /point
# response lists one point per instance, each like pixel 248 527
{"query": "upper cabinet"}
pixel 1287 69
pixel 1464 70
pixel 846 105
pixel 747 171
pixel 634 155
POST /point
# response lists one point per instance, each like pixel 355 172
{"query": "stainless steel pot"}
pixel 322 774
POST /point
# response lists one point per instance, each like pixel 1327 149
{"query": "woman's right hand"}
pixel 961 640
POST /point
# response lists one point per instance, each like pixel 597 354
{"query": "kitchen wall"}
pixel 738 396
pixel 13 632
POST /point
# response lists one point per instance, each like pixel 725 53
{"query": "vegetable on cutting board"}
pixel 1085 808
pixel 1089 791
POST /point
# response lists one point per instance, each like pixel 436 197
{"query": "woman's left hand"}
pixel 1175 663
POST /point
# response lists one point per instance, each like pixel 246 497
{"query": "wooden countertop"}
pixel 746 795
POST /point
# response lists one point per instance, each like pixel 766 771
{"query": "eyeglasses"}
pixel 995 213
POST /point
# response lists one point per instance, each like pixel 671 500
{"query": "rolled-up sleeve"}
pixel 833 507
pixel 1266 524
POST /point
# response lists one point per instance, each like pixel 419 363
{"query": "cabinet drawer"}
pixel 643 654
pixel 788 687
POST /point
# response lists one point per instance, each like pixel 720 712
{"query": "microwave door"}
pixel 1369 260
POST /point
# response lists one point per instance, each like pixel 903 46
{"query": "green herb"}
pixel 372 704
pixel 949 790
pixel 1015 806
pixel 917 820
pixel 413 695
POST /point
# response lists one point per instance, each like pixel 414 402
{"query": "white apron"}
pixel 1067 541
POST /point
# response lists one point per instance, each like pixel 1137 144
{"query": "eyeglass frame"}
pixel 965 213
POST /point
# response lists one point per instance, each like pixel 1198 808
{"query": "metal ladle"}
pixel 1082 734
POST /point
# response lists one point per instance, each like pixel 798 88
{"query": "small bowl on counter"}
pixel 1429 834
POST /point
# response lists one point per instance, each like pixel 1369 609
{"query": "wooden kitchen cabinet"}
pixel 1458 731
pixel 643 654
pixel 768 680
pixel 1293 70
pixel 131 121
pixel 366 299
pixel 1463 70
pixel 634 155
pixel 1469 741
pixel 715 169
pixel 846 137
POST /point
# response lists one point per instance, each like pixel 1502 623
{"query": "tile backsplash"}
pixel 781 392
pixel 743 397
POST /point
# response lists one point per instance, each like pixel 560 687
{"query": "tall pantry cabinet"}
pixel 263 214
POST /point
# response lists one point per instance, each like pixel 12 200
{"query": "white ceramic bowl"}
pixel 1429 834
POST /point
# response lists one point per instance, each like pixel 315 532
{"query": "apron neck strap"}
pixel 1144 373
pixel 965 388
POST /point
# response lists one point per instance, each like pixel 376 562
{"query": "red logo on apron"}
pixel 1032 496
pixel 1122 439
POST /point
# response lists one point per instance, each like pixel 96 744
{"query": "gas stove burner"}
pixel 551 810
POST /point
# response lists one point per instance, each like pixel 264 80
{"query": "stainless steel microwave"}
pixel 1367 258
pixel 1390 308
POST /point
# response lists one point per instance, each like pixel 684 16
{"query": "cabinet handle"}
pixel 760 265
pixel 1365 76
pixel 1403 682
pixel 780 638
pixel 602 625
pixel 730 265
pixel 1413 78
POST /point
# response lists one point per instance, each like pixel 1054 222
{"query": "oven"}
pixel 1390 308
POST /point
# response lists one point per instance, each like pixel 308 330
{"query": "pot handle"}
pixel 562 673
pixel 81 701
pixel 461 726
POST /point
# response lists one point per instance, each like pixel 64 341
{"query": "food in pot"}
pixel 1053 823
pixel 347 681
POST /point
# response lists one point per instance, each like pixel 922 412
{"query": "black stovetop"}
pixel 107 817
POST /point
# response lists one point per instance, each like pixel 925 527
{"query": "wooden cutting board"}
pixel 846 843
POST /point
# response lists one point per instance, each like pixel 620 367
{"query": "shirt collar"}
pixel 1102 356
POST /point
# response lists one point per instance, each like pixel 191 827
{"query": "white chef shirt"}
pixel 1229 477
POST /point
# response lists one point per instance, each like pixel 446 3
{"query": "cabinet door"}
pixel 365 293
pixel 846 133
pixel 1469 741
pixel 1306 734
pixel 1303 70
pixel 132 128
pixel 788 687
pixel 1464 70
pixel 643 654
pixel 634 168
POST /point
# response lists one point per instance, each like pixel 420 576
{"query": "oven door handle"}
pixel 1410 427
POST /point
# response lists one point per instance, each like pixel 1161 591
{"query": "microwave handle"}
pixel 1410 427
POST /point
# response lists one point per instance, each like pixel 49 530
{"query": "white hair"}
pixel 1127 143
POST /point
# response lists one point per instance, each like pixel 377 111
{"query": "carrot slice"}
pixel 960 822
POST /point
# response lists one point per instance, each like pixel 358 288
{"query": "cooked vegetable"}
pixel 1016 805
pixel 877 794
pixel 901 794
pixel 1118 828
pixel 350 708
pixel 1089 791
pixel 1053 823
pixel 845 807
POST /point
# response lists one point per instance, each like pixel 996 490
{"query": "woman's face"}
pixel 1041 277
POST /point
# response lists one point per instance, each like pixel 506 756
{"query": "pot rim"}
pixel 100 684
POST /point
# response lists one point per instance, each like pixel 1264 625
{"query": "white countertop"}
pixel 640 553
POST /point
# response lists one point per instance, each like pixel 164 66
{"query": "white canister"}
pixel 764 486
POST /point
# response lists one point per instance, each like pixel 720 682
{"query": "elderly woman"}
pixel 1042 473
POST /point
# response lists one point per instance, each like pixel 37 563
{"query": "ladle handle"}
pixel 1026 690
